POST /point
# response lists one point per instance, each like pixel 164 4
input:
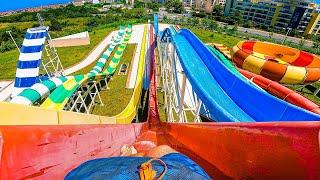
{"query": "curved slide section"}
pixel 40 91
pixel 220 105
pixel 268 85
pixel 276 62
pixel 282 92
pixel 30 59
pixel 257 104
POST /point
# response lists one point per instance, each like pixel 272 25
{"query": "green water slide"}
pixel 60 97
pixel 40 91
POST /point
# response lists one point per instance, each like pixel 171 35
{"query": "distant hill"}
pixel 14 5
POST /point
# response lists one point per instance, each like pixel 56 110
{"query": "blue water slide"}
pixel 259 105
pixel 206 87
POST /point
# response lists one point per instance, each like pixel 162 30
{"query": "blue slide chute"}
pixel 259 105
pixel 226 96
pixel 221 107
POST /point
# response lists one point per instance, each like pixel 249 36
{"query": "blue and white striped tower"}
pixel 30 58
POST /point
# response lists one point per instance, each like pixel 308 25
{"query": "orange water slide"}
pixel 224 150
pixel 277 62
pixel 281 92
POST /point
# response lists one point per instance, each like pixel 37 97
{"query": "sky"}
pixel 7 5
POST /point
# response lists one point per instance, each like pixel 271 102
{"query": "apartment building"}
pixel 280 14
pixel 205 5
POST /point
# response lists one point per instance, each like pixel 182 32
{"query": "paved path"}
pixel 276 36
pixel 279 37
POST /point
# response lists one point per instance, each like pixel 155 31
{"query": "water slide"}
pixel 58 99
pixel 268 85
pixel 219 88
pixel 27 151
pixel 189 97
pixel 60 96
pixel 206 87
pixel 29 59
pixel 40 91
pixel 127 115
pixel 277 62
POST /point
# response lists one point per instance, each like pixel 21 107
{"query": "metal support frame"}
pixel 309 84
pixel 15 43
pixel 51 64
pixel 174 94
pixel 84 99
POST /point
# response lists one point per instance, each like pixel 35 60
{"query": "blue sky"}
pixel 6 5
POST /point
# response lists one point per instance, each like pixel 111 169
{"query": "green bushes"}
pixel 6 43
pixel 67 20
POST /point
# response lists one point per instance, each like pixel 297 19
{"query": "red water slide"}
pixel 281 91
pixel 225 150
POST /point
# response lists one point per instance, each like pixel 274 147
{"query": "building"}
pixel 280 14
pixel 219 2
pixel 81 2
pixel 205 5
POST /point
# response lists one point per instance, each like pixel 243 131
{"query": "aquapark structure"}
pixel 255 127
pixel 277 62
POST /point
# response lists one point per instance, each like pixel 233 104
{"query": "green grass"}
pixel 68 55
pixel 307 93
pixel 214 37
pixel 72 55
pixel 8 64
pixel 117 97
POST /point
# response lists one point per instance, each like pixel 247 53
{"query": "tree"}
pixel 213 25
pixel 217 11
pixel 175 6
pixel 248 24
pixel 209 24
pixel 92 22
pixel 316 41
pixel 302 43
pixel 154 6
pixel 233 30
pixel 139 4
pixel 55 25
pixel 235 18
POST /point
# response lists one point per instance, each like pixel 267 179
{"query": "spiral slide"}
pixel 40 91
pixel 268 85
pixel 277 62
